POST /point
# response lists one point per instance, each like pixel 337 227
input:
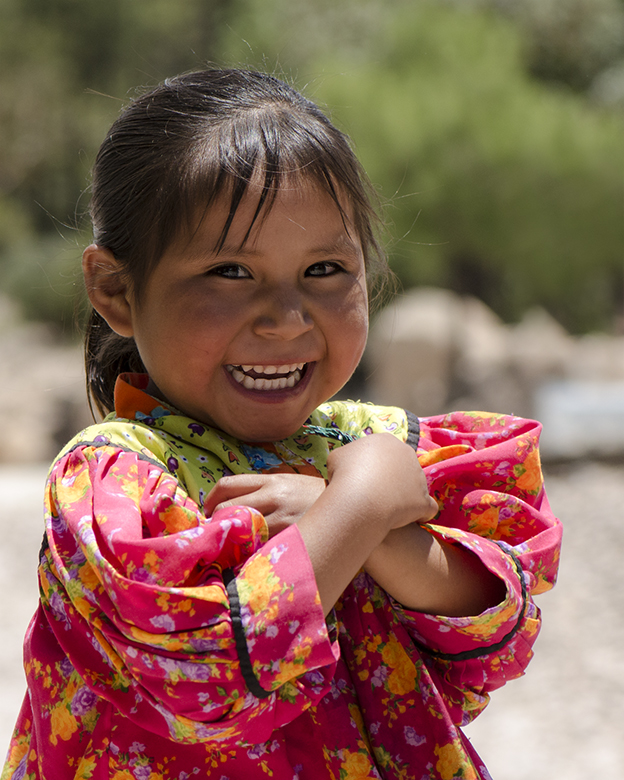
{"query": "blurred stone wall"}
pixel 433 351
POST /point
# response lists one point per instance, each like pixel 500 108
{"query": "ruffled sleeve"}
pixel 187 624
pixel 484 471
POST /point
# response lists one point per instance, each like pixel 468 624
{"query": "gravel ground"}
pixel 564 720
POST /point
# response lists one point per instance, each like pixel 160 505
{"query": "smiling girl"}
pixel 241 578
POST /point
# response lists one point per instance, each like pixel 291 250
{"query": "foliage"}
pixel 498 183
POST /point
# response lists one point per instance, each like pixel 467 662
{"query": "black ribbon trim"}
pixel 413 430
pixel 241 640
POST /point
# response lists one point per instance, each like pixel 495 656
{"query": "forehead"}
pixel 235 221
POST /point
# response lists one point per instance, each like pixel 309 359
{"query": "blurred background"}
pixel 493 131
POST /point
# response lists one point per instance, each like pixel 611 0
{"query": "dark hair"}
pixel 187 142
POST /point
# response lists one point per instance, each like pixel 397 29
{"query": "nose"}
pixel 283 316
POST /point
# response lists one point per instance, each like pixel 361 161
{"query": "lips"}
pixel 268 377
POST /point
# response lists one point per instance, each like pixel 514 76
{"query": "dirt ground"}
pixel 563 721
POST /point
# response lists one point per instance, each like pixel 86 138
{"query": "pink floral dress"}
pixel 168 644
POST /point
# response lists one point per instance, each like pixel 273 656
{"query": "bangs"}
pixel 268 148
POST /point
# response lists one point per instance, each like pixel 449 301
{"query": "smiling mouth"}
pixel 271 377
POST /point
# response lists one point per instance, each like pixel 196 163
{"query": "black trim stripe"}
pixel 413 429
pixel 483 651
pixel 241 640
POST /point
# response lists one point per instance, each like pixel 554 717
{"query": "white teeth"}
pixel 264 383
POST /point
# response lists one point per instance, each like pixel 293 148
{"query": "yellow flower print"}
pixel 63 724
pixel 88 576
pixel 402 679
pixel 449 761
pixel 86 767
pixel 259 584
pixel 531 478
pixel 442 453
pixel 452 762
pixel 355 766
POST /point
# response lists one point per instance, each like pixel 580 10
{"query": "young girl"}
pixel 241 579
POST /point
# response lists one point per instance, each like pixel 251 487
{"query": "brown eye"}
pixel 326 268
pixel 230 271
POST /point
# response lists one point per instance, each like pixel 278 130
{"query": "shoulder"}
pixel 118 434
pixel 357 418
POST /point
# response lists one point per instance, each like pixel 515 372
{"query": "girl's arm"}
pixel 375 485
pixel 426 574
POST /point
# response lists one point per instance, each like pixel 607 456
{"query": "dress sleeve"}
pixel 485 473
pixel 196 628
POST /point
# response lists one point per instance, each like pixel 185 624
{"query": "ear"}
pixel 107 290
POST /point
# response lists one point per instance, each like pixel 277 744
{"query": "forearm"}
pixel 429 575
pixel 339 535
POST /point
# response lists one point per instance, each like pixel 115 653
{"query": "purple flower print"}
pixel 205 645
pixel 84 700
pixel 412 738
pixel 172 464
pixel 20 772
pixel 142 772
pixel 58 524
pixel 257 751
pixel 58 607
pixel 163 621
pixel 380 675
pixel 66 667
pixel 196 428
pixel 142 575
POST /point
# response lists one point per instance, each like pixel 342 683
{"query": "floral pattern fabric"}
pixel 168 644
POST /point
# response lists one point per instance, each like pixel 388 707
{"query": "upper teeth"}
pixel 260 383
pixel 274 369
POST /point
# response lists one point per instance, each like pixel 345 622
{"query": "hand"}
pixel 282 498
pixel 387 472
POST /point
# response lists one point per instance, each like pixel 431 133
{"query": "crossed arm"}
pixel 369 515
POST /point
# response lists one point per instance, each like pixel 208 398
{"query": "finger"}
pixel 430 512
pixel 233 487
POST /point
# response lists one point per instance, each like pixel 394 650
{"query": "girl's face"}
pixel 253 339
